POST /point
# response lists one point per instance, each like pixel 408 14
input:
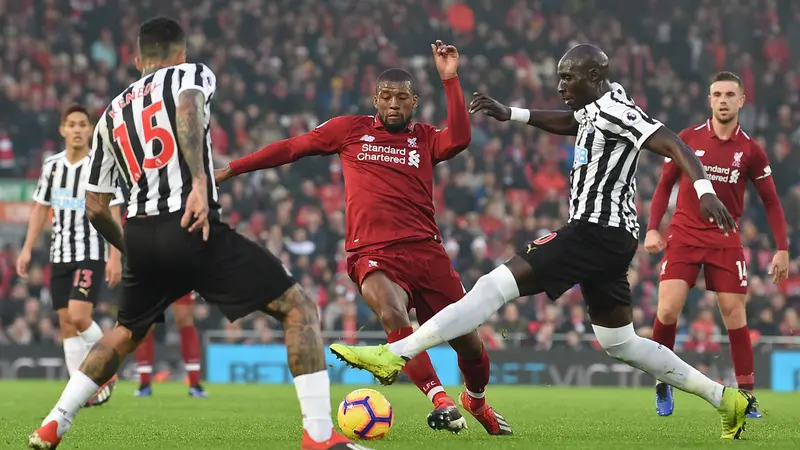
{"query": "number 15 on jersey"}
pixel 151 132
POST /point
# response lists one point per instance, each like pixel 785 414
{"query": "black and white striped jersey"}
pixel 136 141
pixel 611 133
pixel 62 187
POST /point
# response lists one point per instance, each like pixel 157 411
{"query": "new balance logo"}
pixel 664 267
pixel 413 158
pixel 373 263
pixel 367 138
pixel 699 153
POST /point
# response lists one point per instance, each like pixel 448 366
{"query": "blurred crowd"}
pixel 284 66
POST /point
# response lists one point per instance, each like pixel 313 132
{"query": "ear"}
pixel 61 131
pixel 594 75
pixel 375 101
pixel 742 100
pixel 138 63
pixel 416 102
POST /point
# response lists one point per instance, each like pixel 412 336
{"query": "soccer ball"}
pixel 365 414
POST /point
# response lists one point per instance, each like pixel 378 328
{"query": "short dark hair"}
pixel 396 76
pixel 159 36
pixel 75 108
pixel 727 76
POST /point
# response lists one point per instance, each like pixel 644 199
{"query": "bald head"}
pixel 583 74
pixel 586 57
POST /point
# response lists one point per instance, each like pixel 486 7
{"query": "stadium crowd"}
pixel 285 66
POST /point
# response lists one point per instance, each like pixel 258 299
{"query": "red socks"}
pixel 741 350
pixel 665 334
pixel 190 350
pixel 476 373
pixel 742 355
pixel 419 369
pixel 145 354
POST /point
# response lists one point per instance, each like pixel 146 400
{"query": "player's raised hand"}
pixel 779 269
pixel 446 59
pixel 713 209
pixel 197 209
pixel 482 103
pixel 653 243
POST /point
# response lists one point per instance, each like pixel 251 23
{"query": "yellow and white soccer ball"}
pixel 365 414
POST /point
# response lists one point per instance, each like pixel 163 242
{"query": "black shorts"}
pixel 76 281
pixel 165 262
pixel 594 256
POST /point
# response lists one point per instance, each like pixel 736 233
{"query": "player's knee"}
pixel 669 310
pixel 183 316
pixel 615 341
pixel 65 325
pixel 468 346
pixel 80 318
pixel 393 316
pixel 734 314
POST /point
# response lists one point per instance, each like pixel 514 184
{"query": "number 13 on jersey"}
pixel 151 132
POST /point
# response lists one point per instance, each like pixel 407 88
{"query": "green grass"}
pixel 268 417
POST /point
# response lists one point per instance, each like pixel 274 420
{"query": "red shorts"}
pixel 421 268
pixel 724 268
pixel 186 300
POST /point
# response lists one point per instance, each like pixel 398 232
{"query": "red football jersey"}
pixel 388 177
pixel 729 165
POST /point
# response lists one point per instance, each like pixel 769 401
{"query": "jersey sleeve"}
pixel 670 174
pixel 44 187
pixel 326 139
pixel 199 77
pixel 760 174
pixel 118 199
pixel 103 172
pixel 759 168
pixel 627 121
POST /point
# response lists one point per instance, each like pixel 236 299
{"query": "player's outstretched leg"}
pixel 621 342
pixel 732 306
pixel 183 309
pixel 672 295
pixel 490 292
pixel 145 357
pixel 299 315
pixel 97 369
pixel 80 312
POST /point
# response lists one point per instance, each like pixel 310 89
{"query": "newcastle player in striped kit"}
pixel 155 137
pixel 79 256
pixel 595 248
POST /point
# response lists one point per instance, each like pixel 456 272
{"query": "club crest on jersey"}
pixel 737 159
pixel 631 117
pixel 412 142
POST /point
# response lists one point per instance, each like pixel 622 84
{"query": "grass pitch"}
pixel 268 417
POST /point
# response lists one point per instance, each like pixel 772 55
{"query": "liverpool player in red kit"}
pixel 396 257
pixel 731 158
pixel 182 309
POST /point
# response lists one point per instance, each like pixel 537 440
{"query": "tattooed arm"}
pixel 300 318
pixel 191 130
pixel 102 220
pixel 190 123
